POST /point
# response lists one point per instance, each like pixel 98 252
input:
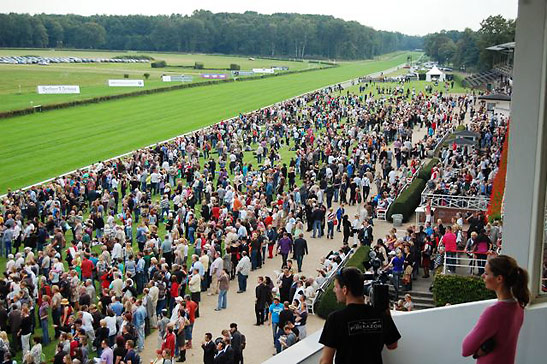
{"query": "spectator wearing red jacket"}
pixel 169 341
pixel 450 246
pixel 87 268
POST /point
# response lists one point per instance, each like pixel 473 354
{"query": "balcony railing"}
pixel 479 203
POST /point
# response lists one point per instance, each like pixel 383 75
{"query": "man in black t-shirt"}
pixel 357 333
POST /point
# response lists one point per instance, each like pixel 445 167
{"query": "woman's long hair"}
pixel 514 277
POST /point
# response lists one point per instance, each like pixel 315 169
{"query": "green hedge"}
pixel 410 198
pixel 198 65
pixel 135 56
pixel 328 302
pixel 407 201
pixel 425 172
pixel 454 289
pixel 235 67
pixel 158 64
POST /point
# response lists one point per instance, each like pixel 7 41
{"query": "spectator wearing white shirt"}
pixel 116 251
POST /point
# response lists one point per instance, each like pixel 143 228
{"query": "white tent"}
pixel 435 74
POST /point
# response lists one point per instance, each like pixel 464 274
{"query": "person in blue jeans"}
pixel 223 286
pixel 43 313
pixel 243 269
pixel 273 317
pixel 397 267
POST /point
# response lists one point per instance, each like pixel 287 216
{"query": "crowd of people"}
pixel 470 170
pixel 128 245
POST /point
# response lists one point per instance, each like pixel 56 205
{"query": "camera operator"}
pixel 358 330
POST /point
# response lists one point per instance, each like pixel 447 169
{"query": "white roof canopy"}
pixel 435 71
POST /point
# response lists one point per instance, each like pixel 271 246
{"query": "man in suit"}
pixel 225 352
pixel 300 249
pixel 262 298
pixel 237 343
pixel 209 349
pixel 367 233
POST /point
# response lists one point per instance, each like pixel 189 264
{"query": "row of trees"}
pixel 250 33
pixel 467 49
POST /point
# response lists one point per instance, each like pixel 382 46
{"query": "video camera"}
pixel 376 283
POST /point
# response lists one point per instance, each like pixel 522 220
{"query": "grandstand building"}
pixel 500 78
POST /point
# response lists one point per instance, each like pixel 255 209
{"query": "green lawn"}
pixel 417 85
pixel 40 146
pixel 18 86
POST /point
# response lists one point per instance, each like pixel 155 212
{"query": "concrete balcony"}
pixel 435 336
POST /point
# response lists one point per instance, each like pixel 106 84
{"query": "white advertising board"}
pixel 175 78
pixel 126 83
pixel 263 70
pixel 58 89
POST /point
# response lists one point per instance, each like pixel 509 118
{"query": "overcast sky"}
pixel 415 17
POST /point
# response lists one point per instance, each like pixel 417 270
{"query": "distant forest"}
pixel 467 49
pixel 250 33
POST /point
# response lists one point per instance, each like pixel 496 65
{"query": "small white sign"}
pixel 263 70
pixel 126 83
pixel 176 78
pixel 58 89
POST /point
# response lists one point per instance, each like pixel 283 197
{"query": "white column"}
pixel 525 188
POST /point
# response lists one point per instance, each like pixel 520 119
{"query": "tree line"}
pixel 250 33
pixel 467 49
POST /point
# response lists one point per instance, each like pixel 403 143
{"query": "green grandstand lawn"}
pixel 19 81
pixel 40 146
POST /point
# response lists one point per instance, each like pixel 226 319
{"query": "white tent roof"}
pixel 434 71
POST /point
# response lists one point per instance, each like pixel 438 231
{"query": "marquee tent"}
pixel 435 74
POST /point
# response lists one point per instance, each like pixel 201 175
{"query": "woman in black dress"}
pixel 286 281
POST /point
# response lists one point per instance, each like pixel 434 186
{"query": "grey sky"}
pixel 416 17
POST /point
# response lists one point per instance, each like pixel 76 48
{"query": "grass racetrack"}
pixel 40 146
pixel 19 81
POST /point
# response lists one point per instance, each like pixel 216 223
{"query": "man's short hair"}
pixel 353 279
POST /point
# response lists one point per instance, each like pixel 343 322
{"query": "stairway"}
pixel 421 298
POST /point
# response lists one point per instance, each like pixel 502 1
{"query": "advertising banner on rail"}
pixel 58 89
pixel 242 73
pixel 263 70
pixel 126 83
pixel 214 76
pixel 176 78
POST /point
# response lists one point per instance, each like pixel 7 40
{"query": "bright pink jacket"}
pixel 502 321
pixel 449 241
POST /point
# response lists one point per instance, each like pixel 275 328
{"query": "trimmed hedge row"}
pixel 407 201
pixel 425 172
pixel 410 198
pixel 454 289
pixel 328 302
pixel 98 99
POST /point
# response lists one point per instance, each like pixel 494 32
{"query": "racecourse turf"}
pixel 19 81
pixel 44 145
